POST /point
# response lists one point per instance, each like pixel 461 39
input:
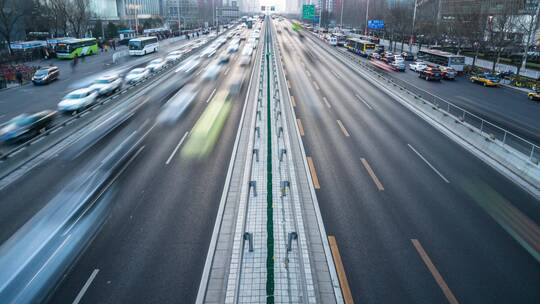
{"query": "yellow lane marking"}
pixel 293 101
pixel 342 276
pixel 326 102
pixel 372 174
pixel 300 127
pixel 343 128
pixel 313 173
pixel 434 272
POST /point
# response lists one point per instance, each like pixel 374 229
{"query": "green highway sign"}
pixel 308 11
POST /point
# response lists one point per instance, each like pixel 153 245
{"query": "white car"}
pixel 174 56
pixel 233 47
pixel 189 66
pixel 78 100
pixel 107 84
pixel 156 65
pixel 417 66
pixel 224 58
pixel 137 75
pixel 211 72
pixel 173 109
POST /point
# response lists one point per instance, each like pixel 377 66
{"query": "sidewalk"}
pixel 501 67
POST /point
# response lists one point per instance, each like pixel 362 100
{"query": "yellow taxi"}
pixel 488 80
pixel 534 95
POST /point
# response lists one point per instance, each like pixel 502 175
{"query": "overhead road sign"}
pixel 308 11
pixel 376 24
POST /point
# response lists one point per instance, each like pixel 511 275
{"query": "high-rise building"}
pixel 143 9
pixel 185 12
pixel 104 9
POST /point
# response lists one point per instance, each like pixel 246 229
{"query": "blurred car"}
pixel 448 72
pixel 430 73
pixel 25 126
pixel 224 58
pixel 156 65
pixel 205 31
pixel 398 65
pixel 211 72
pixel 46 75
pixel 486 79
pixel 137 75
pixel 209 51
pixel 535 95
pixel 189 65
pixel 374 55
pixel 107 84
pixel 407 56
pixel 233 46
pixel 176 105
pixel 417 66
pixel 78 100
pixel 173 56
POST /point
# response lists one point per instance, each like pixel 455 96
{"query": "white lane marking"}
pixel 326 102
pixel 428 163
pixel 199 72
pixel 86 286
pixel 365 102
pixel 316 86
pixel 176 148
pixel 308 74
pixel 227 71
pixel 211 95
pixel 336 74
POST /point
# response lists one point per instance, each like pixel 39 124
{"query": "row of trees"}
pixel 59 17
pixel 493 27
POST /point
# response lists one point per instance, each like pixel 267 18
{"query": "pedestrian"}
pixel 74 62
pixel 19 77
pixel 114 44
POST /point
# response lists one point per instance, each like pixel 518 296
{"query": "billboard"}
pixel 375 24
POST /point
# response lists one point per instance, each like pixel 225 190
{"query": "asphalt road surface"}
pixel 417 218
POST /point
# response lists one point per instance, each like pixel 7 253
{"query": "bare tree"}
pixel 499 28
pixel 527 24
pixel 57 12
pixel 11 12
pixel 78 15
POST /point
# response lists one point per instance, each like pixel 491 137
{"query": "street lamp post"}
pixel 367 17
pixel 341 18
pixel 135 8
pixel 412 27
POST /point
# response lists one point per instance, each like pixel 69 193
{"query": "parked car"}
pixel 398 65
pixel 46 75
pixel 25 126
pixel 107 84
pixel 417 66
pixel 448 72
pixel 430 73
pixel 137 75
pixel 78 100
pixel 407 56
pixel 156 65
pixel 486 79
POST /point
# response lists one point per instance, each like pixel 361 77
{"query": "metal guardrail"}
pixel 486 128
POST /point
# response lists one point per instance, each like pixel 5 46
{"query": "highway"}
pixel 417 218
pixel 151 249
pixel 164 201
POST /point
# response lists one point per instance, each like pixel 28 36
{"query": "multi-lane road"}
pixel 417 218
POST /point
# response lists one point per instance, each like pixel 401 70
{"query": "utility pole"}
pixel 178 15
pixel 367 17
pixel 341 18
pixel 412 27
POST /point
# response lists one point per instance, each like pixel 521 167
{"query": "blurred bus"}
pixel 360 47
pixel 143 45
pixel 72 47
pixel 457 62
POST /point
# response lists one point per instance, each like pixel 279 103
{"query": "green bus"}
pixel 71 48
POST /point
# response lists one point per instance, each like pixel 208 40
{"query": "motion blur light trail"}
pixel 525 231
pixel 207 129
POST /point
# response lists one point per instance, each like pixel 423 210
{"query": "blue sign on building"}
pixel 375 24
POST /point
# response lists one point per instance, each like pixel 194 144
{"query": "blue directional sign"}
pixel 376 24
